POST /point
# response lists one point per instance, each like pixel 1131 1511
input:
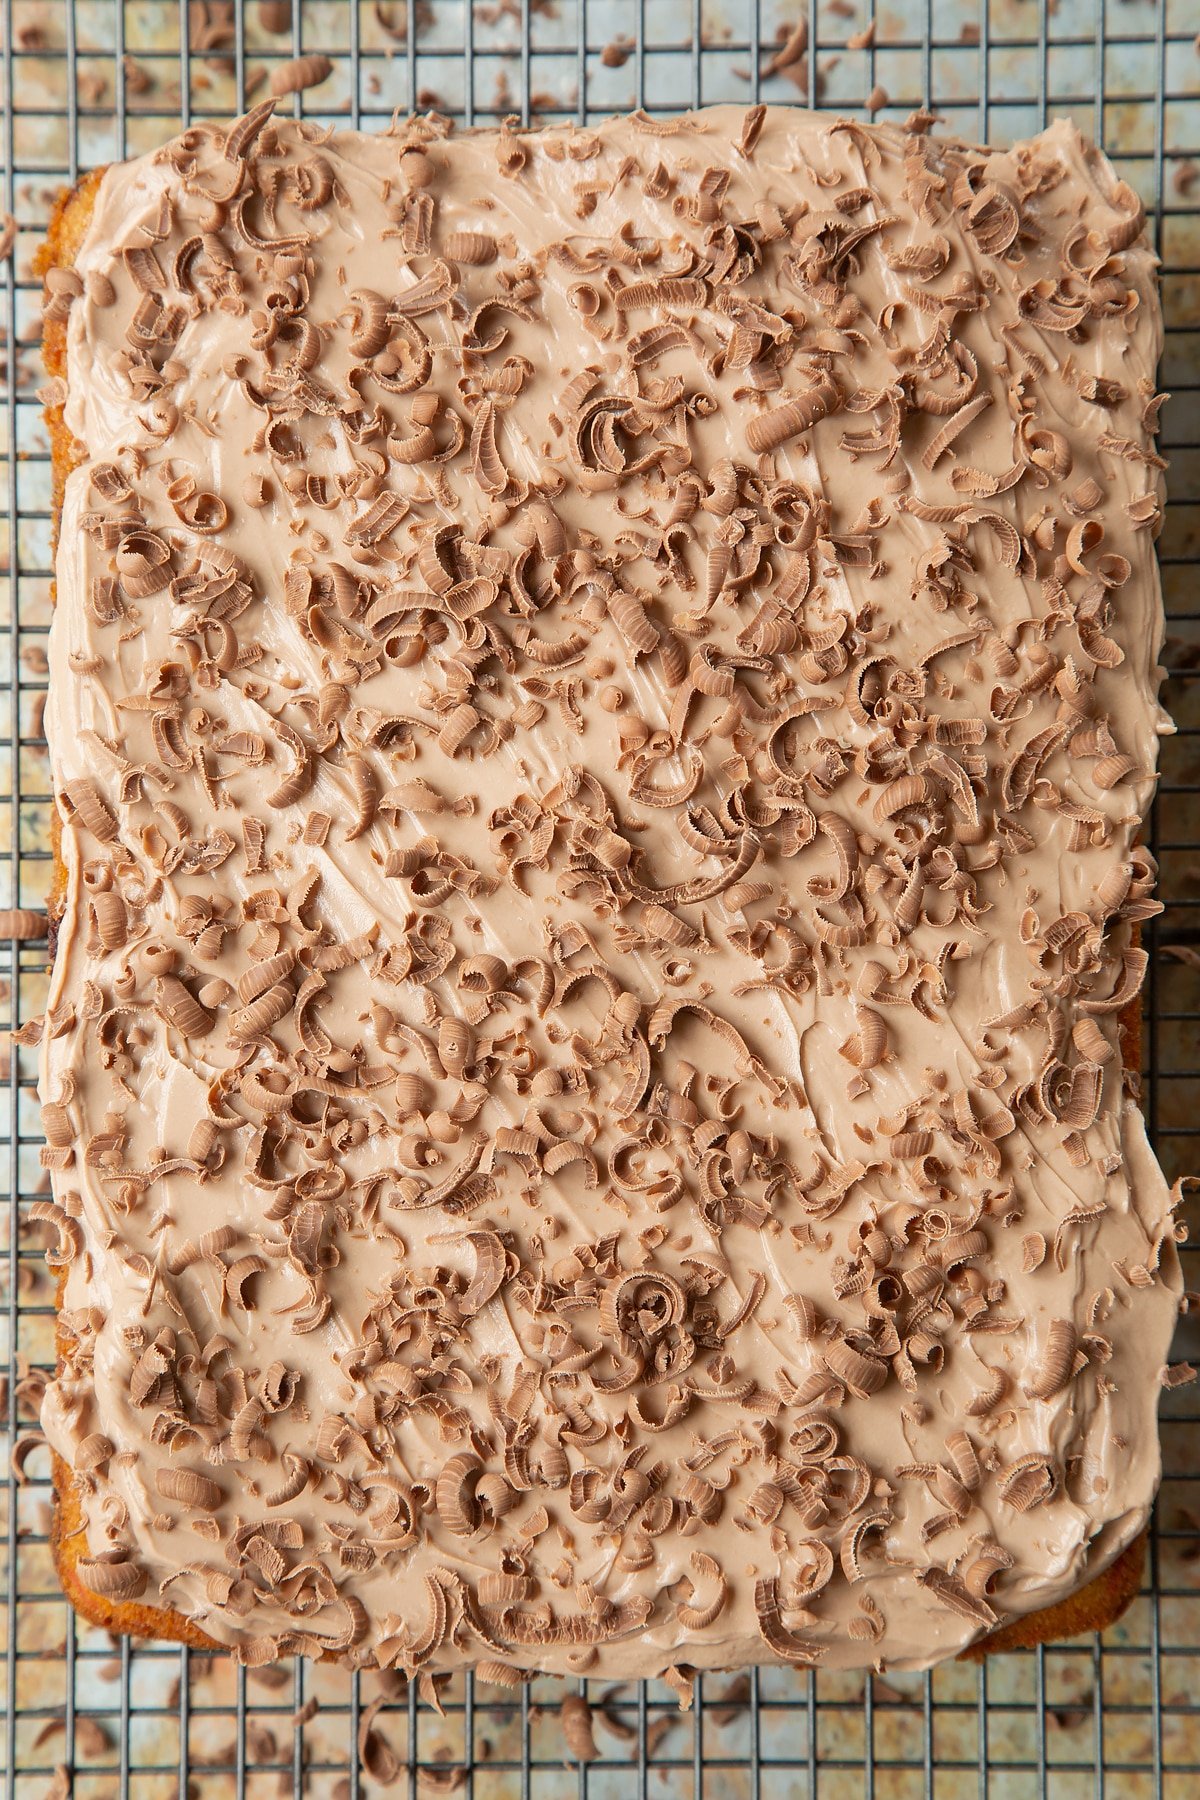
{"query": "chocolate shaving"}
pixel 785 1644
pixel 769 430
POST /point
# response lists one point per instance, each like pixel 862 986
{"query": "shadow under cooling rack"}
pixel 1114 1714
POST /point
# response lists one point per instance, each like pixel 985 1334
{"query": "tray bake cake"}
pixel 603 694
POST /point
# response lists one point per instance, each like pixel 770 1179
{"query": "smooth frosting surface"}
pixel 603 693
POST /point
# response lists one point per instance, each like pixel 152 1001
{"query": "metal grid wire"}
pixel 1114 1714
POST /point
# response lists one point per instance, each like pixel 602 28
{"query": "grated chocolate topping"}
pixel 603 697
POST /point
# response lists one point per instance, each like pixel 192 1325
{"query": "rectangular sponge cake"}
pixel 603 695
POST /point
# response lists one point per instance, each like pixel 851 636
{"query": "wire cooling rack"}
pixel 1115 1714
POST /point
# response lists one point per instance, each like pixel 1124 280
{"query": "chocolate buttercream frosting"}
pixel 603 694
